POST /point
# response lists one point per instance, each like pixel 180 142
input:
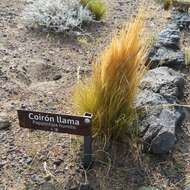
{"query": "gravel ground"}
pixel 30 64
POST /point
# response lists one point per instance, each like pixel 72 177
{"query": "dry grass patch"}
pixel 110 92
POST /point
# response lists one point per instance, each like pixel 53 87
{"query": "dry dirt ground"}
pixel 29 64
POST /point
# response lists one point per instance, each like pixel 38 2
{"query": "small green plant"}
pixel 166 3
pixel 180 5
pixel 187 56
pixel 97 7
pixel 110 92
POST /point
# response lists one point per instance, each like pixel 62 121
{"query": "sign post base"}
pixel 87 160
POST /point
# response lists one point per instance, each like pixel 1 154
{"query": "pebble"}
pixel 58 162
pixel 2 188
pixel 47 186
pixel 85 186
pixel 28 160
pixel 57 77
pixel 4 121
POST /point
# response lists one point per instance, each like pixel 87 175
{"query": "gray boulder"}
pixel 166 52
pixel 182 20
pixel 162 56
pixel 170 37
pixel 160 136
pixel 164 81
pixel 158 117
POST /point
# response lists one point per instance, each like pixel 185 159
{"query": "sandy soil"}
pixel 29 64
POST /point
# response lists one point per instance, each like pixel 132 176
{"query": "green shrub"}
pixel 97 7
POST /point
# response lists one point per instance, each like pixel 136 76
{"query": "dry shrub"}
pixel 56 15
pixel 110 92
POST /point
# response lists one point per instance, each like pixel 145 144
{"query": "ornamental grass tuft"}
pixel 97 7
pixel 110 92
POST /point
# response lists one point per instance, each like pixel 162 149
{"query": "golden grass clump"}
pixel 187 56
pixel 97 7
pixel 110 92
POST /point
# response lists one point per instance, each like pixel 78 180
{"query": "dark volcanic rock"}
pixel 160 88
pixel 85 187
pixel 147 97
pixel 165 81
pixel 57 77
pixel 166 52
pixel 162 56
pixel 170 37
pixel 160 136
pixel 183 20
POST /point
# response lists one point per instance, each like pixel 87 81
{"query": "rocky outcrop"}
pixel 182 19
pixel 170 37
pixel 160 91
pixel 166 82
pixel 166 52
pixel 161 56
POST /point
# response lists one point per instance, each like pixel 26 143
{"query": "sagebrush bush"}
pixel 56 15
pixel 110 92
pixel 97 7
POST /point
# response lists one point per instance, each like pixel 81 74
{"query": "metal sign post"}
pixel 87 160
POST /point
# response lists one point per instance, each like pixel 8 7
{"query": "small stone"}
pixel 58 162
pixel 57 77
pixel 158 123
pixel 28 160
pixel 85 186
pixel 170 37
pixel 74 188
pixel 165 81
pixel 4 121
pixel 162 56
pixel 2 163
pixel 182 20
pixel 148 188
pixel 2 188
pixel 47 186
pixel 47 177
pixel 37 179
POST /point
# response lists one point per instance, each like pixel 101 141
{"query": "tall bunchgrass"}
pixel 110 92
pixel 187 56
pixel 97 7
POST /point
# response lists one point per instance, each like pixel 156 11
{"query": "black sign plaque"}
pixel 76 125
